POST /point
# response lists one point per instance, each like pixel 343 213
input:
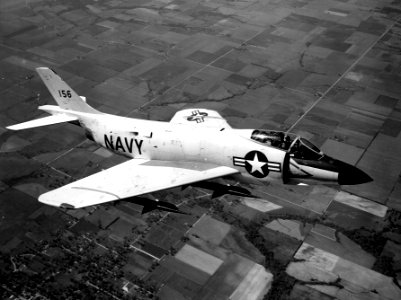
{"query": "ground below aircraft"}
pixel 195 146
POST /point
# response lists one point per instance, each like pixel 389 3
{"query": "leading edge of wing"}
pixel 131 178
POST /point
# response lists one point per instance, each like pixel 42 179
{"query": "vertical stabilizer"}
pixel 64 95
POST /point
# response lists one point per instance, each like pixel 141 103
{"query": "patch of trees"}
pixel 78 272
pixel 371 241
pixel 282 283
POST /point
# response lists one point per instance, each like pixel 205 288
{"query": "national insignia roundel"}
pixel 255 162
pixel 197 116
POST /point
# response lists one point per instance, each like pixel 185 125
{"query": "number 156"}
pixel 64 93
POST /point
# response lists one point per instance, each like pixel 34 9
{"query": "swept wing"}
pixel 131 178
pixel 200 117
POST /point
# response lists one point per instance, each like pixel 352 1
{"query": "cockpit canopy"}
pixel 297 146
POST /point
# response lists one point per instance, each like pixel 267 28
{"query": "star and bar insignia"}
pixel 197 116
pixel 257 164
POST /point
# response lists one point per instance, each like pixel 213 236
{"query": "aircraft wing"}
pixel 200 117
pixel 131 178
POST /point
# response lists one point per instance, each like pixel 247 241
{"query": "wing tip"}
pixel 51 203
pixel 12 127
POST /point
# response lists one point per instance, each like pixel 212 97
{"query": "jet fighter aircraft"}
pixel 195 146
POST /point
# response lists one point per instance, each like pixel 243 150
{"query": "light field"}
pixel 199 259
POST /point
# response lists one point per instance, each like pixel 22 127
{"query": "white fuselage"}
pixel 154 140
pixel 222 146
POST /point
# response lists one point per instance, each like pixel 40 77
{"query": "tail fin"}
pixel 64 95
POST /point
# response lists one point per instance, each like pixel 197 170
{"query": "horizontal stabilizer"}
pixel 55 119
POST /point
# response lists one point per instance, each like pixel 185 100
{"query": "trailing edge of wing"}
pixel 131 178
pixel 55 119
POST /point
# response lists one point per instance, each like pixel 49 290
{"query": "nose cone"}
pixel 350 175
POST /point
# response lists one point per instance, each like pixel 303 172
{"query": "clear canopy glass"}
pixel 297 146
